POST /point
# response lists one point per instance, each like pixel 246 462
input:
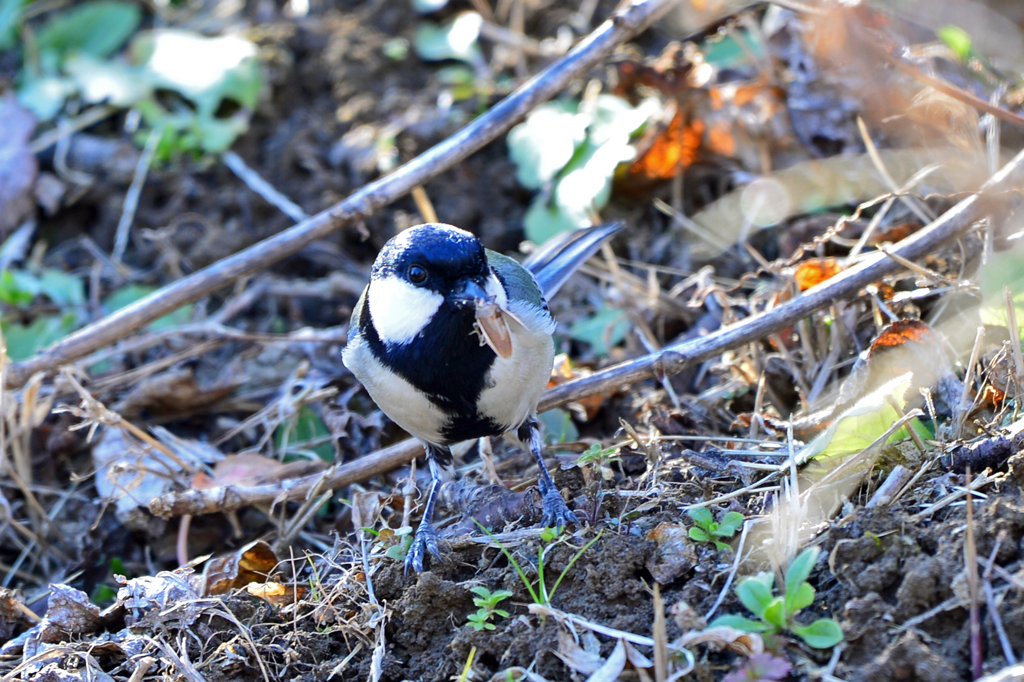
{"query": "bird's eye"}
pixel 417 274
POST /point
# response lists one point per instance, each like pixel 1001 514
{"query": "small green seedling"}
pixel 396 542
pixel 777 613
pixel 598 456
pixel 708 530
pixel 539 590
pixel 487 602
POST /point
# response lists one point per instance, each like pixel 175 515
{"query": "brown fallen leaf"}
pixel 675 554
pixel 255 562
pixel 276 593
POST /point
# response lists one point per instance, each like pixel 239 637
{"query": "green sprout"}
pixel 708 530
pixel 777 613
pixel 549 538
pixel 396 543
pixel 597 456
pixel 487 602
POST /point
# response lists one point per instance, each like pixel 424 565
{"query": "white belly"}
pixel 400 401
pixel 516 383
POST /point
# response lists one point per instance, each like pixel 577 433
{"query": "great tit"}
pixel 453 342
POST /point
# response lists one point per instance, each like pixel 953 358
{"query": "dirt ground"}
pixel 893 576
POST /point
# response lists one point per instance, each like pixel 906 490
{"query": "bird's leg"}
pixel 426 535
pixel 556 512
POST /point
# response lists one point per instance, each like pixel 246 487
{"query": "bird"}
pixel 453 342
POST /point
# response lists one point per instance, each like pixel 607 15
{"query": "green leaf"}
pixel 545 142
pixel 44 95
pixel 775 613
pixel 544 220
pixel 957 39
pixel 731 522
pixel 1003 268
pixel 821 634
pixel 722 546
pixel 24 341
pixel 800 598
pixel 114 83
pixel 455 40
pixel 307 427
pixel 606 328
pixel 698 535
pixel 615 119
pixel 756 593
pixel 799 570
pixel 428 6
pixel 96 28
pixel 60 287
pixel 10 15
pixel 558 426
pixel 861 425
pixel 482 591
pixel 131 293
pixel 219 77
pixel 12 291
pixel 741 623
pixel 701 515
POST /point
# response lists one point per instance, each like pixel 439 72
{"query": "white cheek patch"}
pixel 400 310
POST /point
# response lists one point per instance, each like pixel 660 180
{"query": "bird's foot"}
pixel 425 542
pixel 556 512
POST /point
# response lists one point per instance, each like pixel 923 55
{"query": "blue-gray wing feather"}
pixel 555 261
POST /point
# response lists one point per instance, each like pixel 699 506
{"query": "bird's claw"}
pixel 556 512
pixel 424 542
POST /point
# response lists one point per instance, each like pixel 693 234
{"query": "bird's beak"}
pixel 468 292
pixel 491 320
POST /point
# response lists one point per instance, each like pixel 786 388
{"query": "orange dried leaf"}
pixel 276 593
pixel 245 468
pixel 254 562
pixel 676 147
pixel 814 271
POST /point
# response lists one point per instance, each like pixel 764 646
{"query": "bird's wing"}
pixel 519 283
pixel 555 261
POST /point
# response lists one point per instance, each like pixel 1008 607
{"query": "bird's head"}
pixel 422 269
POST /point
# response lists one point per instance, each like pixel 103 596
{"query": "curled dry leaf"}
pixel 12 608
pixel 68 612
pixel 365 508
pixel 277 594
pixel 814 271
pixel 157 602
pixel 131 473
pixel 723 637
pixel 674 555
pixel 255 562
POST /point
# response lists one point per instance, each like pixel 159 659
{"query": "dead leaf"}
pixel 674 555
pixel 166 600
pixel 814 271
pixel 68 612
pixel 176 391
pixel 746 643
pixel 277 594
pixel 365 508
pixel 255 562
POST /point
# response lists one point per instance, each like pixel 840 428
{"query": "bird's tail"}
pixel 555 261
